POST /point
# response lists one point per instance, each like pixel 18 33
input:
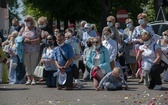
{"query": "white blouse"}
pixel 149 54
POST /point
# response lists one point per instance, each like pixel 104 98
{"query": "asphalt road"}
pixel 41 95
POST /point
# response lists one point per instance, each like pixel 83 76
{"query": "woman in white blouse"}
pixel 150 54
pixel 164 47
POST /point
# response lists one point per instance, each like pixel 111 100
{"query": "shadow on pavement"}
pixel 11 89
pixel 164 89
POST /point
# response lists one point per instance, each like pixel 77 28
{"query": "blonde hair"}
pixel 15 20
pixel 116 70
pixel 68 33
pixel 96 38
pixel 112 18
pixel 15 33
pixel 165 32
pixel 42 19
pixel 32 19
pixel 128 20
pixel 144 15
pixel 145 35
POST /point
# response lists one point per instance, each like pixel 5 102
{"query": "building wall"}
pixel 4 21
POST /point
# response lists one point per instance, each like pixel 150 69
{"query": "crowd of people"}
pixel 108 59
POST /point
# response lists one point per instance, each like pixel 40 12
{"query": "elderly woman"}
pixel 150 54
pixel 98 61
pixel 85 56
pixel 110 44
pixel 163 42
pixel 136 35
pixel 130 60
pixel 31 37
pixel 111 23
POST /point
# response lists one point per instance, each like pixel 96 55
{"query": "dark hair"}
pixel 53 39
pixel 61 34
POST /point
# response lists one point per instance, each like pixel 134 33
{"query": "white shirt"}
pixel 111 45
pixel 149 54
pixel 138 31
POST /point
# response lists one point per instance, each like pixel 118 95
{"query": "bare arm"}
pixel 158 53
pixel 139 55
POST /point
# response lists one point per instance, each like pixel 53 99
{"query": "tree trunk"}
pixel 106 7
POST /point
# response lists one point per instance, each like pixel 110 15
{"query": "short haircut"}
pixel 42 19
pixel 107 29
pixel 116 70
pixel 111 18
pixel 145 35
pixel 32 19
pixel 144 15
pixel 61 34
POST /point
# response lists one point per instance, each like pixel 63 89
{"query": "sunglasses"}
pixel 165 34
pixel 96 42
pixel 27 20
pixel 49 39
pixel 109 21
pixel 88 42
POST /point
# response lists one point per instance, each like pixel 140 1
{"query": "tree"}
pixel 13 13
pixel 58 9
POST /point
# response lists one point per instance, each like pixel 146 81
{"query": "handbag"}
pixel 132 51
pixel 38 72
pixel 74 68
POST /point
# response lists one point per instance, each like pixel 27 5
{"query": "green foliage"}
pixel 93 11
pixel 13 5
pixel 150 9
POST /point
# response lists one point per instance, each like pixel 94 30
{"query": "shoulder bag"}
pixel 74 68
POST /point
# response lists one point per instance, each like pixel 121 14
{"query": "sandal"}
pixel 131 77
pixel 141 81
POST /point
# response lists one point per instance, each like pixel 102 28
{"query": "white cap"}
pixel 62 78
pixel 87 25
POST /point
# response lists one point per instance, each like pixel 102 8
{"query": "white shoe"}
pixel 33 83
pixel 79 84
pixel 158 87
pixel 28 82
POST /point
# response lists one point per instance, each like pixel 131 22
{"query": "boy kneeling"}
pixel 112 81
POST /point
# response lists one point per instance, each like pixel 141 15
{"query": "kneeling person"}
pixel 112 81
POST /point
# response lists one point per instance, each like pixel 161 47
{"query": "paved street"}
pixel 40 95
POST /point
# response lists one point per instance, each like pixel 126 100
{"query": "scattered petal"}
pixel 161 95
pixel 126 98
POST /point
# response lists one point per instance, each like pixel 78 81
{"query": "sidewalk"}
pixel 40 95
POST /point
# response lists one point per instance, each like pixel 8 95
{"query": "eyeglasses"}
pixel 96 42
pixel 109 21
pixel 26 20
pixel 67 37
pixel 128 22
pixel 140 18
pixel 49 39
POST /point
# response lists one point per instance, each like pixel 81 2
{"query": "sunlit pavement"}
pixel 40 95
